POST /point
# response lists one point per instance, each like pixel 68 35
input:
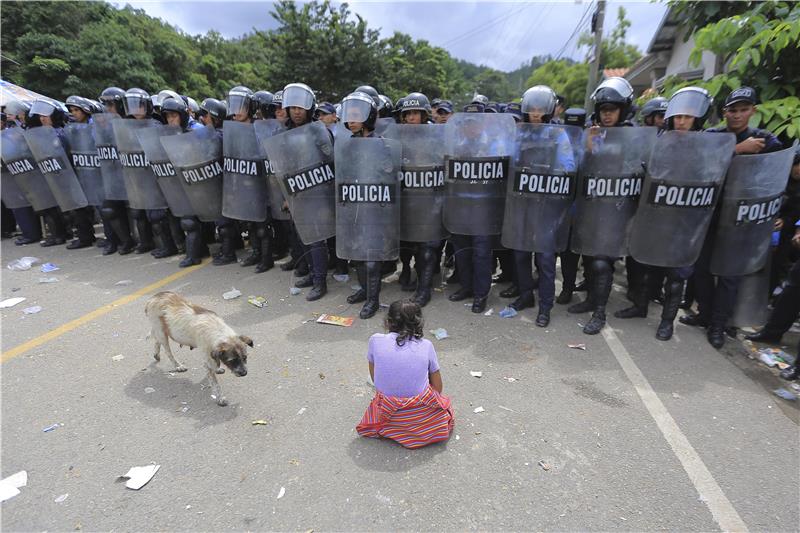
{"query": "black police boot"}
pixel 638 309
pixel 361 294
pixel 54 221
pixel 479 304
pixel 696 320
pixel 424 278
pixel 406 284
pixel 256 252
pixel 144 231
pixel 543 318
pixel 511 292
pixel 227 252
pixel 716 336
pixel 372 304
pixel 302 268
pixel 111 246
pixel 461 294
pixel 267 262
pixel 163 233
pixel 289 265
pixel 123 232
pixel 524 301
pixel 564 297
pixel 765 335
pixel 305 281
pixel 319 289
pixel 82 219
pixel 597 322
pixel 672 300
pixel 582 307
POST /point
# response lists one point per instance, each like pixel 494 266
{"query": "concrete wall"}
pixel 679 60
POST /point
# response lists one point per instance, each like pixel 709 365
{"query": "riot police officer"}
pixel 716 295
pixel 263 101
pixel 652 113
pixel 442 111
pixel 612 101
pixel 212 113
pixel 115 212
pixel 299 102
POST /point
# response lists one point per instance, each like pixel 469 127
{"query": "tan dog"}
pixel 173 317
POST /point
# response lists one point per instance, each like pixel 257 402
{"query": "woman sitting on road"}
pixel 408 406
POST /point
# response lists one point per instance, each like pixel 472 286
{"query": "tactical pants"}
pixel 316 254
pixel 473 254
pixel 716 295
pixel 787 305
pixel 546 265
pixel 28 222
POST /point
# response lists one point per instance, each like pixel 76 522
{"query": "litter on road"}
pixel 259 422
pixel 440 333
pixel 61 498
pixel 341 278
pixel 281 493
pixel 508 312
pixel 475 374
pixel 504 408
pixel 9 487
pixel 335 320
pixel 118 357
pixel 51 427
pixel 294 291
pixel 489 312
pixel 231 294
pixel 258 301
pixel 478 410
pixel 23 263
pixel 544 465
pixel 11 302
pixel 49 267
pixel 577 346
pixel 785 394
pixel 139 476
pixel 48 280
pixel 123 283
pixel 32 310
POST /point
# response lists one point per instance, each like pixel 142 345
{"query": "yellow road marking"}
pixel 100 311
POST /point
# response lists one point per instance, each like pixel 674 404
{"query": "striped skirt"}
pixel 412 422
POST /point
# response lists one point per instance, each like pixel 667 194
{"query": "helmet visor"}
pixel 296 96
pixel 43 108
pixel 620 85
pixel 238 103
pixel 136 104
pixel 355 110
pixel 692 103
pixel 538 101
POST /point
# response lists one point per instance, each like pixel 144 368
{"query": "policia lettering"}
pixel 19 167
pixel 663 194
pixel 107 153
pixel 50 165
pixel 367 193
pixel 85 161
pixel 240 166
pixel 422 178
pixel 478 169
pixel 595 187
pixel 163 170
pixel 134 160
pixel 548 184
pixel 758 210
pixel 201 173
pixel 307 179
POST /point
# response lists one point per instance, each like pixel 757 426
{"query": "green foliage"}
pixel 565 78
pixel 614 51
pixel 760 43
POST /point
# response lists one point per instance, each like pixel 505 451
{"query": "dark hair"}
pixel 405 319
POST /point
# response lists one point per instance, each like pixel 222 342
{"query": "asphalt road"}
pixel 632 434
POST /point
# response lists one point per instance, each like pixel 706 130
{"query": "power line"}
pixel 486 26
pixel 575 31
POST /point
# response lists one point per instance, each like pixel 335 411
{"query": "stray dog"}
pixel 173 317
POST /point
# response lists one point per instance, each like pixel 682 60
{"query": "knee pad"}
pixel 601 266
pixel 156 215
pixel 190 224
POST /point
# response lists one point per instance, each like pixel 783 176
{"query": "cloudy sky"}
pixel 501 35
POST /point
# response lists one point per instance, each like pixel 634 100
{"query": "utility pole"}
pixel 594 68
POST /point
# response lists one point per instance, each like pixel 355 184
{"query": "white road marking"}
pixel 710 492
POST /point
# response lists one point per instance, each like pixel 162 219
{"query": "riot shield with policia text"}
pixel 110 166
pixel 167 178
pixel 53 161
pixel 265 129
pixel 244 184
pixel 85 161
pixel 19 163
pixel 140 181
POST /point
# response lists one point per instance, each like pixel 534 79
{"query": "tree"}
pixel 614 51
pixel 759 42
pixel 565 78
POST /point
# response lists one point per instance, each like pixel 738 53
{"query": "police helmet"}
pixel 264 103
pixel 81 103
pixel 137 101
pixel 541 99
pixel 163 95
pixel 370 90
pixel 176 105
pixel 575 116
pixel 215 108
pixel 653 107
pixel 277 102
pixel 416 102
pixel 492 107
pixel 474 107
pixel 47 108
pixel 693 101
pixel 240 100
pixel 192 103
pixel 616 91
pixel 113 96
pixel 385 108
pixel 480 99
pixel 299 95
pixel 17 107
pixel 359 107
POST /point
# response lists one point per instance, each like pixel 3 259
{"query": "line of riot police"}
pixel 364 183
